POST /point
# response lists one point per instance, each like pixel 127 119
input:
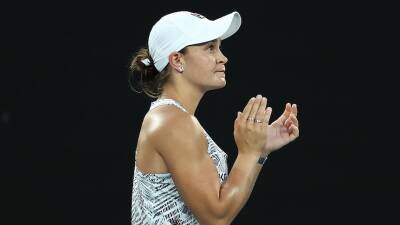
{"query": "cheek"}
pixel 202 63
pixel 208 63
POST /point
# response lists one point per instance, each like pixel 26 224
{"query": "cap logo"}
pixel 197 15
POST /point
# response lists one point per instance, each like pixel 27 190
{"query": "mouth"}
pixel 220 73
pixel 221 69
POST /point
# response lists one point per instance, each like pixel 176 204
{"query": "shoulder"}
pixel 167 123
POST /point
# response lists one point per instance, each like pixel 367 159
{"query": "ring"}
pixel 250 118
pixel 258 121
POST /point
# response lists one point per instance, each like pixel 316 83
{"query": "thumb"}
pixel 239 114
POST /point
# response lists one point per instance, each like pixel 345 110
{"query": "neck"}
pixel 187 98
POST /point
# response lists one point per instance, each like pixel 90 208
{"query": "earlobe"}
pixel 175 59
pixel 181 69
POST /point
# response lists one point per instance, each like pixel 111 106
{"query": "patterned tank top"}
pixel 155 199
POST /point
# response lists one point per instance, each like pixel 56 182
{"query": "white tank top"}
pixel 155 199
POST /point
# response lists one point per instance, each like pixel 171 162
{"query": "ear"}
pixel 176 61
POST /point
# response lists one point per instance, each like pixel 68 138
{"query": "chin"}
pixel 223 85
pixel 216 87
pixel 215 84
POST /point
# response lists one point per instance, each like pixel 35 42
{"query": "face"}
pixel 204 65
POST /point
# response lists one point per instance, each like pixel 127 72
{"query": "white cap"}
pixel 177 30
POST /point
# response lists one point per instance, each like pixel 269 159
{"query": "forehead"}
pixel 215 41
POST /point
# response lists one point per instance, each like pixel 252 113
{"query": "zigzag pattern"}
pixel 155 199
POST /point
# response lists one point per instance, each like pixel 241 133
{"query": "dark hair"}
pixel 144 78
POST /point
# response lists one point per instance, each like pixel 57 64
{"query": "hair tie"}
pixel 146 62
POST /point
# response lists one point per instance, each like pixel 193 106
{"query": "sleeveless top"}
pixel 155 199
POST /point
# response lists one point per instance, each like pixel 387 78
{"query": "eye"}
pixel 211 47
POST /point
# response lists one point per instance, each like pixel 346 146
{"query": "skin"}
pixel 171 141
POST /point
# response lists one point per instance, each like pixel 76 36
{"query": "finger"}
pixel 267 116
pixel 288 122
pixel 294 109
pixel 288 110
pixel 254 110
pixel 238 117
pixel 294 131
pixel 247 110
pixel 261 111
pixel 237 120
pixel 291 120
pixel 294 119
pixel 262 118
pixel 286 113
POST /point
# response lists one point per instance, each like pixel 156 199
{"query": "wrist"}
pixel 258 158
pixel 262 158
pixel 266 153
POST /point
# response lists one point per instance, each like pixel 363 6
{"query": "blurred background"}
pixel 69 123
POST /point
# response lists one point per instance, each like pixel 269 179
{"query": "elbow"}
pixel 214 221
pixel 216 217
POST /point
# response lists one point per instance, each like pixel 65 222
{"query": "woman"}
pixel 181 175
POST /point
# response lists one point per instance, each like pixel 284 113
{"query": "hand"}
pixel 283 130
pixel 250 135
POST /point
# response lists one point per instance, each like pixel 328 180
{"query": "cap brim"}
pixel 222 28
pixel 228 25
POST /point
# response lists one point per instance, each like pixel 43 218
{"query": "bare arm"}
pixel 239 185
pixel 184 150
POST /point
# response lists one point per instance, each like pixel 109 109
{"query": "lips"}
pixel 220 73
pixel 221 70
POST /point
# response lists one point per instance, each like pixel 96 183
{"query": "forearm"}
pixel 235 192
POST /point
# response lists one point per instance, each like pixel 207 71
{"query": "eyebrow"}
pixel 215 41
pixel 207 42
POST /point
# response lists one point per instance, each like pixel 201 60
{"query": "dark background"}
pixel 69 123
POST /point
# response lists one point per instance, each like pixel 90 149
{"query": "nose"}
pixel 222 58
